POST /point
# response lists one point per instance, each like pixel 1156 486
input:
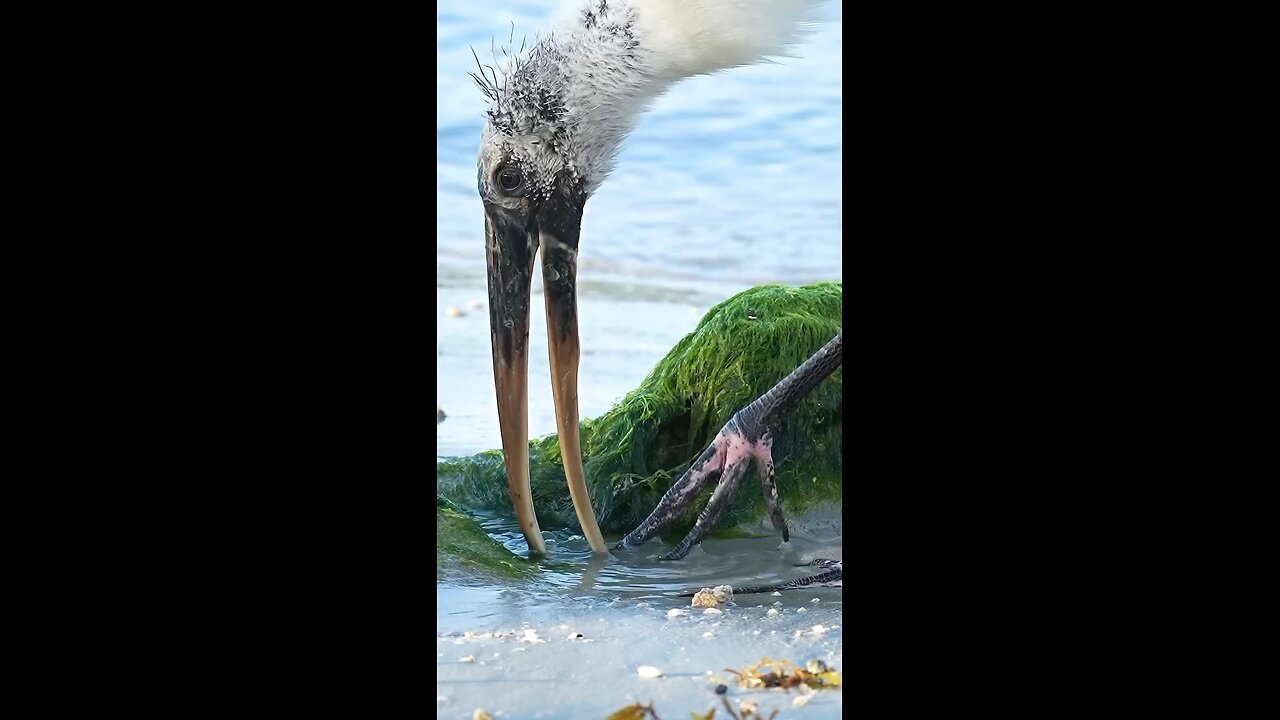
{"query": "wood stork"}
pixel 558 116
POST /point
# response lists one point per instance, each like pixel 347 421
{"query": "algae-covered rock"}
pixel 464 550
pixel 634 452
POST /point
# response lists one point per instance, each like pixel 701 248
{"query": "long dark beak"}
pixel 511 252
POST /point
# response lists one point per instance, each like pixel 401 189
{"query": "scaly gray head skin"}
pixel 556 121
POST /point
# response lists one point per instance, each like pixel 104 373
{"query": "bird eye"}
pixel 510 179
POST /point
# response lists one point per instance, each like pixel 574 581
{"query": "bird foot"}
pixel 725 460
pixel 742 441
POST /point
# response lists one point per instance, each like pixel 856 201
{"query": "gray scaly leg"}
pixel 743 439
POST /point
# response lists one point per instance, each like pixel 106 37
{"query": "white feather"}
pixel 694 37
pixel 606 60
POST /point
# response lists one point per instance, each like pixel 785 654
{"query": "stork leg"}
pixel 742 440
pixel 707 468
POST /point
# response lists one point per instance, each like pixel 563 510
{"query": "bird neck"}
pixel 591 79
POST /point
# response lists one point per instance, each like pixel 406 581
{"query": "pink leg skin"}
pixel 739 455
pixel 726 459
pixel 707 468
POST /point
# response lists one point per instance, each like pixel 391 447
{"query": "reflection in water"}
pixel 571 571
pixel 591 572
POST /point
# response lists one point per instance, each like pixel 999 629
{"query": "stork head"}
pixel 557 118
pixel 533 198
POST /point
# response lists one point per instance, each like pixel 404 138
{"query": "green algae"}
pixel 464 549
pixel 635 451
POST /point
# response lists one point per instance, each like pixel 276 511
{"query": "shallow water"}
pixel 730 181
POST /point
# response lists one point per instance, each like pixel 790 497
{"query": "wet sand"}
pixel 565 676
